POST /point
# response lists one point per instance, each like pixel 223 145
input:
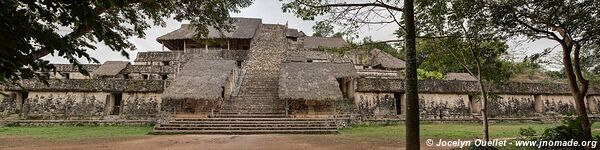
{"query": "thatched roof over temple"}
pixel 385 60
pixel 311 42
pixel 110 68
pixel 313 81
pixel 244 28
pixel 200 80
pixel 460 77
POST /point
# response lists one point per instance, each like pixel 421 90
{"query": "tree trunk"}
pixel 484 101
pixel 411 85
pixel 582 113
pixel 577 92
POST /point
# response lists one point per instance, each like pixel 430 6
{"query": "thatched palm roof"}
pixel 385 60
pixel 244 28
pixel 460 77
pixel 311 42
pixel 200 80
pixel 110 68
pixel 313 81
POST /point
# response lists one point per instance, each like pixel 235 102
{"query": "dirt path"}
pixel 209 142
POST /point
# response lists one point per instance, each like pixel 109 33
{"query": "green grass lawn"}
pixel 448 131
pixel 76 132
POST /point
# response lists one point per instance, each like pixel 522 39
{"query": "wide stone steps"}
pixel 225 112
pixel 244 131
pixel 252 119
pixel 271 122
pixel 247 124
pixel 261 83
pixel 253 107
pixel 245 128
pixel 248 116
pixel 251 111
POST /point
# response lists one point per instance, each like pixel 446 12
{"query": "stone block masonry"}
pixel 83 99
pixel 458 100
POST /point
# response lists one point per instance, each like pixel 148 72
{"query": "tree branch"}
pixel 382 5
pixel 577 67
pixel 78 32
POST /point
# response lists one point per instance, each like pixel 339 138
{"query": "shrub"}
pixel 569 130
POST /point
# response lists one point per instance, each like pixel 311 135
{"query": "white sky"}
pixel 270 12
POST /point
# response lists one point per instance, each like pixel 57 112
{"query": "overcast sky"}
pixel 270 12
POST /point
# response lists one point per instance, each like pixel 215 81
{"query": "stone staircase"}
pixel 256 109
pixel 260 86
pixel 249 124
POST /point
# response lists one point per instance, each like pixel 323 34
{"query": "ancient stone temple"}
pixel 264 78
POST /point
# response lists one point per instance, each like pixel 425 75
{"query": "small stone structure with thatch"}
pixel 315 85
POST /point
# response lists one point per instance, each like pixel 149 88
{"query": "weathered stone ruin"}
pixel 265 78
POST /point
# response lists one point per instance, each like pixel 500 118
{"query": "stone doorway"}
pixel 398 97
pixel 116 100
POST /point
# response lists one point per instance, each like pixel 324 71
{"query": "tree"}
pixel 368 44
pixel 461 36
pixel 34 28
pixel 322 29
pixel 352 15
pixel 411 85
pixel 573 24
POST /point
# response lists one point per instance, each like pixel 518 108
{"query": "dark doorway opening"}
pixel 474 104
pixel 239 63
pixel 344 86
pixel 398 97
pixel 223 92
pixel 66 75
pixel 117 100
pixel 21 97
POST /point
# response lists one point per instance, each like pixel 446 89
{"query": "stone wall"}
pixel 64 105
pixel 442 100
pixel 375 104
pixel 455 86
pixel 90 85
pixel 141 104
pixel 8 103
pixel 558 104
pixel 82 105
pixel 511 106
pixel 445 106
pixel 593 103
